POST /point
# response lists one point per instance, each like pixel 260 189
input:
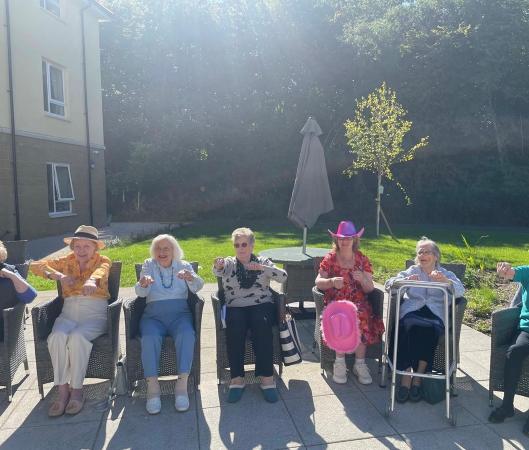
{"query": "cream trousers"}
pixel 82 320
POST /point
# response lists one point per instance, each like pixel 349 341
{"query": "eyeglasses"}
pixel 424 252
pixel 242 244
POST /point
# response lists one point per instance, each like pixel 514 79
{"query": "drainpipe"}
pixel 12 110
pixel 87 122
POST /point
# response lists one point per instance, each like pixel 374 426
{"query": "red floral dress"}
pixel 371 326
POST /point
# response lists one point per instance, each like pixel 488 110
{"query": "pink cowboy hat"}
pixel 339 326
pixel 346 229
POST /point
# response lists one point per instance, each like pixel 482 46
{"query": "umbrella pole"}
pixel 304 240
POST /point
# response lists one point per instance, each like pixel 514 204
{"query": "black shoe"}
pixel 500 414
pixel 403 393
pixel 415 394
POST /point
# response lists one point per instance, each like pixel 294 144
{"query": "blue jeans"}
pixel 167 318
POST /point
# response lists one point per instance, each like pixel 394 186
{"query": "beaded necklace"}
pixel 161 277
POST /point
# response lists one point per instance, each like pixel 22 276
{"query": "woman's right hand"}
pixel 146 281
pixel 505 270
pixel 66 280
pixel 337 282
pixel 219 263
pixel 414 277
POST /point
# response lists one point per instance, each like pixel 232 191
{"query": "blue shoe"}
pixel 270 393
pixel 235 393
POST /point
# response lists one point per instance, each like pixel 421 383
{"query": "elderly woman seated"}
pixel 421 318
pixel 83 274
pixel 164 280
pixel 249 306
pixel 10 279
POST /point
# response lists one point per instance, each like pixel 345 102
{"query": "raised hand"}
pixel 185 275
pixel 254 266
pixel 505 270
pixel 438 276
pixel 89 287
pixel 219 263
pixel 146 281
pixel 413 277
pixel 337 282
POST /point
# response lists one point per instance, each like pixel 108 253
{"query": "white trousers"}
pixel 82 320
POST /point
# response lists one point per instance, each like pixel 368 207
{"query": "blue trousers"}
pixel 166 318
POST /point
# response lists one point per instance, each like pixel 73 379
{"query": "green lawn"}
pixel 204 241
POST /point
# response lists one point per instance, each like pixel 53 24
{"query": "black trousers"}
pixel 259 319
pixel 515 356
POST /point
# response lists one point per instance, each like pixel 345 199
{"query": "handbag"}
pixel 290 343
pixel 433 390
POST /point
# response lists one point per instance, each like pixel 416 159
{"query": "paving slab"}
pixel 385 442
pixel 246 426
pixel 335 418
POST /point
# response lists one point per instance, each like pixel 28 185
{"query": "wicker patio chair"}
pixel 223 365
pixel 133 310
pixel 505 324
pixel 12 344
pixel 105 350
pixel 327 355
pixel 438 364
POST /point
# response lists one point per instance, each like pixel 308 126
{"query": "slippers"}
pixel 74 406
pixel 403 394
pixel 56 409
pixel 415 394
pixel 270 393
pixel 235 392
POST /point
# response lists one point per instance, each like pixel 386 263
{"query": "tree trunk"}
pixel 378 203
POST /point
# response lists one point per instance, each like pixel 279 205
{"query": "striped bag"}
pixel 290 344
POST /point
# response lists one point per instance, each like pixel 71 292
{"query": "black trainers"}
pixel 500 414
pixel 415 394
pixel 403 394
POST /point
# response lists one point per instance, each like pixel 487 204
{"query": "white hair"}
pixel 178 253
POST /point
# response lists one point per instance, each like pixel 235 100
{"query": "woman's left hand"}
pixel 254 266
pixel 89 287
pixel 359 276
pixel 185 275
pixel 438 276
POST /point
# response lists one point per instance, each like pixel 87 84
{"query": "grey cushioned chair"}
pixel 327 356
pixel 223 365
pixel 133 310
pixel 12 344
pixel 105 350
pixel 505 324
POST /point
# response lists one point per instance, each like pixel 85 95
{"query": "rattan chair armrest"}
pixel 133 310
pixel 376 299
pixel 13 319
pixel 280 302
pixel 504 324
pixel 44 316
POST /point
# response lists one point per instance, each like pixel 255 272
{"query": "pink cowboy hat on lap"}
pixel 346 229
pixel 339 326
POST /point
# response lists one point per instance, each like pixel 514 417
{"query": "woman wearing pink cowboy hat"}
pixel 346 274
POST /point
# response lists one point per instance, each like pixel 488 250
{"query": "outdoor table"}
pixel 300 269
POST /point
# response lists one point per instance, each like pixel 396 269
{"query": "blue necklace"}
pixel 161 278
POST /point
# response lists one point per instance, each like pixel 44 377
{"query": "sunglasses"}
pixel 242 244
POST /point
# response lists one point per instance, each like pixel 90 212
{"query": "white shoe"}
pixel 181 402
pixel 362 373
pixel 153 405
pixel 339 371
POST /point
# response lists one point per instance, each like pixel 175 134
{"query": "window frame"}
pixel 48 100
pixel 54 3
pixel 56 194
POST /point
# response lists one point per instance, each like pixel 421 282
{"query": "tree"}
pixel 376 137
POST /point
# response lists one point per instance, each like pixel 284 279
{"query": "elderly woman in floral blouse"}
pixel 83 274
pixel 246 280
pixel 346 274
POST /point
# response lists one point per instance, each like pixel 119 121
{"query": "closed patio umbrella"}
pixel 311 195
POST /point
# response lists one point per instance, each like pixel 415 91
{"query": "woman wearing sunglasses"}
pixel 421 317
pixel 249 306
pixel 345 274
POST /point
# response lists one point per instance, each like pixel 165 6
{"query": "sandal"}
pixel 56 408
pixel 74 406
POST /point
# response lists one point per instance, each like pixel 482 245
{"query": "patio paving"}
pixel 313 412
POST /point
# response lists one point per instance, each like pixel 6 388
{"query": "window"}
pixel 60 188
pixel 53 89
pixel 52 6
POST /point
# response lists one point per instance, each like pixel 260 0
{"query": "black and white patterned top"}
pixel 258 293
